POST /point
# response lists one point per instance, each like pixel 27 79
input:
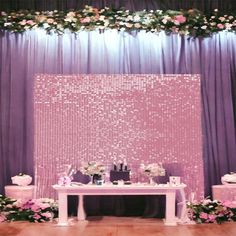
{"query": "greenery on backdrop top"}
pixel 187 22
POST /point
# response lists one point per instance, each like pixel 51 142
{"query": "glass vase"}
pixel 96 179
pixel 151 180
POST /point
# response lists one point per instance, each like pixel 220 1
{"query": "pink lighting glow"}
pixel 139 118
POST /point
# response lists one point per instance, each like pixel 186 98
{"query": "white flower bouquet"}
pixel 92 168
pixel 154 169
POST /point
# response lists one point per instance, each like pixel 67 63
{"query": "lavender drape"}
pixel 24 55
pixel 204 5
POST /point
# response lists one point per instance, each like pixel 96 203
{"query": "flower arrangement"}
pixel 64 180
pixel 208 211
pixel 67 176
pixel 154 169
pixel 92 168
pixel 34 210
pixel 187 22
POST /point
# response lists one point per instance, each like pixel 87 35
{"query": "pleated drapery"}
pixel 24 55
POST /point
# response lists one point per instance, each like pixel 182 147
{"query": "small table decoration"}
pixel 67 176
pixel 229 178
pixel 95 170
pixel 65 180
pixel 153 170
pixel 21 179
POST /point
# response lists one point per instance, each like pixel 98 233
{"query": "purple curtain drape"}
pixel 16 118
pixel 24 55
pixel 217 61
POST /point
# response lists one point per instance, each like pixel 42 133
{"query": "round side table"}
pixel 20 192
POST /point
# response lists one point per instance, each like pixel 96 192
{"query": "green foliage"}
pixel 33 210
pixel 208 211
pixel 192 22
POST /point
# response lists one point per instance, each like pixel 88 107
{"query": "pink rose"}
pixel 71 14
pixel 30 22
pixel 23 22
pixel 85 20
pixel 204 215
pixel 35 208
pixel 180 19
pixel 3 13
pixel 97 16
pixel 96 11
pixel 220 26
pixel 2 218
pixel 36 216
pixel 47 214
pixel 211 218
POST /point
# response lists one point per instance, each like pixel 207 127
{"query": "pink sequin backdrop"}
pixel 140 118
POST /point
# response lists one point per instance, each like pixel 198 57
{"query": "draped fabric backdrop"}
pixel 111 118
pixel 24 55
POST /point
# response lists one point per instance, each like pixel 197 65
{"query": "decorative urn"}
pixel 229 178
pixel 21 179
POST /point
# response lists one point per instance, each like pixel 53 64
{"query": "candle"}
pixel 125 165
pixel 121 165
pixel 115 166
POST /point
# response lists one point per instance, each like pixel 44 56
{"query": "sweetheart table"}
pixel 110 189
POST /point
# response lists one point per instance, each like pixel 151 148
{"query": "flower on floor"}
pixel 208 211
pixel 92 168
pixel 154 169
pixel 33 210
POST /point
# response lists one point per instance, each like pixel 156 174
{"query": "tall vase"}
pixel 151 181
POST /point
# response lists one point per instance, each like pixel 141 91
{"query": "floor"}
pixel 116 226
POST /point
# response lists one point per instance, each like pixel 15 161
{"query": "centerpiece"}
pixel 94 169
pixel 21 179
pixel 67 176
pixel 153 170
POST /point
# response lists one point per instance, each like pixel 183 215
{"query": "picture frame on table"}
pixel 174 180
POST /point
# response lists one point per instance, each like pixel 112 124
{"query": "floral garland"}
pixel 189 22
pixel 34 210
pixel 208 211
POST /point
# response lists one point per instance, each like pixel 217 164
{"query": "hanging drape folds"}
pixel 24 55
